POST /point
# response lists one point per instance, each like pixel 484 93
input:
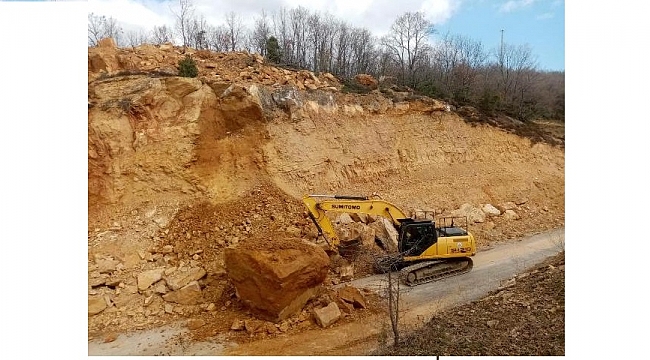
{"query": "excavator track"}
pixel 435 270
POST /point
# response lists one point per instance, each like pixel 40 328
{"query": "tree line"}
pixel 455 68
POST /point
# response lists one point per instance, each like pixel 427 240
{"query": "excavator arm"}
pixel 318 205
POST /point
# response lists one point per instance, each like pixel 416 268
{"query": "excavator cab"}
pixel 416 236
pixel 448 228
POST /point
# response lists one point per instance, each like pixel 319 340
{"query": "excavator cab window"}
pixel 417 237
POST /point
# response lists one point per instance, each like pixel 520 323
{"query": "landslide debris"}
pixel 278 276
pixel 182 272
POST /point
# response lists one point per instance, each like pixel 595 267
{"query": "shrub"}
pixel 187 67
pixel 489 102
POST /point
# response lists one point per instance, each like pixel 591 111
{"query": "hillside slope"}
pixel 195 165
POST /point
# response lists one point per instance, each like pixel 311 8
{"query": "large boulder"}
pixel 491 210
pixel 366 80
pixel 365 233
pixel 355 234
pixel 103 57
pixel 473 214
pixel 345 219
pixel 276 278
pixel 107 43
pixel 386 233
pixel 180 87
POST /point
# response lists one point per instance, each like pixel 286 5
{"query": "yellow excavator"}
pixel 425 252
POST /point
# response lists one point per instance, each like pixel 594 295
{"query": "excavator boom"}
pixel 348 204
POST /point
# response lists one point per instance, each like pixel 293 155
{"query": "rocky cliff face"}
pixel 180 169
pixel 152 137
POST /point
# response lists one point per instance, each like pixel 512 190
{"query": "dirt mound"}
pixel 264 213
pixel 277 277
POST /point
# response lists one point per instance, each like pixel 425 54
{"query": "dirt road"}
pixel 492 267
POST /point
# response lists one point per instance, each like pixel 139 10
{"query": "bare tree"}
pixel 198 32
pixel 342 45
pixel 407 41
pixel 235 30
pixel 95 29
pixel 321 34
pixel 446 56
pixel 472 59
pixel 548 89
pixel 260 34
pixel 516 61
pixel 135 38
pixel 394 303
pixel 362 50
pixel 298 19
pixel 184 16
pixel 330 31
pixel 161 34
pixel 315 33
pixel 456 64
pixel 281 29
pixel 218 38
pixel 390 264
pixel 100 27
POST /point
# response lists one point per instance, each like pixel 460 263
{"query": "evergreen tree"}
pixel 187 67
pixel 273 50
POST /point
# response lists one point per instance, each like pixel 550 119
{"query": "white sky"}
pixel 375 15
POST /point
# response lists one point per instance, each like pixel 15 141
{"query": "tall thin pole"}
pixel 501 51
pixel 502 68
